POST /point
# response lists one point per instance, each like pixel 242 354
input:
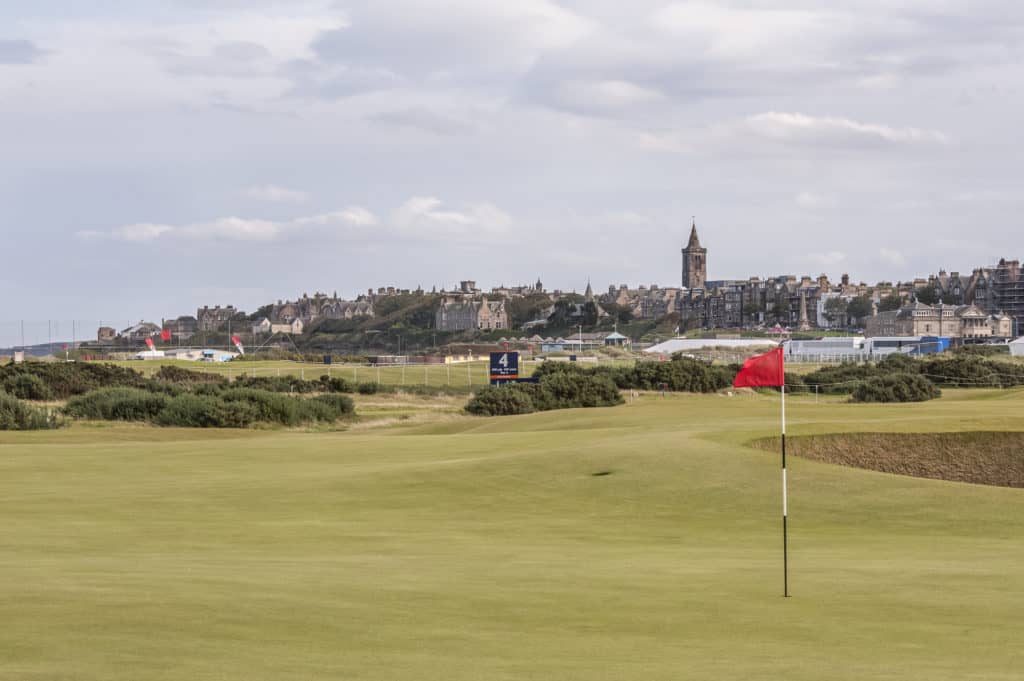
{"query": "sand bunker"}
pixel 984 458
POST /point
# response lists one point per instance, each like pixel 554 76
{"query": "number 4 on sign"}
pixel 504 360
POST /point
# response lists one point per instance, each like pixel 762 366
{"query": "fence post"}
pixel 425 379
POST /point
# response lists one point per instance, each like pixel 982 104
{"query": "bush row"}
pixel 235 408
pixel 16 415
pixel 565 387
pixel 60 380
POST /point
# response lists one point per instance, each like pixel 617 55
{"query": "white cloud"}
pixel 275 194
pixel 892 257
pixel 828 259
pixel 235 228
pixel 812 200
pixel 427 215
pixel 803 129
pixel 143 231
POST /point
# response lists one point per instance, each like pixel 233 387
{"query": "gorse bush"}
pixel 67 379
pixel 17 415
pixel 212 406
pixel 505 400
pixel 293 384
pixel 173 374
pixel 204 411
pixel 565 387
pixel 898 387
pixel 27 387
pixel 117 404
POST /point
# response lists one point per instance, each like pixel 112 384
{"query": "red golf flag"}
pixel 762 371
pixel 149 344
pixel 165 335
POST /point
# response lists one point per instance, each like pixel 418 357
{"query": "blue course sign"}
pixel 504 366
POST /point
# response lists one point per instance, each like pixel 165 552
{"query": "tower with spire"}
pixel 695 261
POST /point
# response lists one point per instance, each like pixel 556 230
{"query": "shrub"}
pixel 174 374
pixel 368 388
pixel 340 405
pixel 333 384
pixel 117 404
pixel 505 400
pixel 267 406
pixel 278 384
pixel 898 387
pixel 204 411
pixel 562 388
pixel 16 415
pixel 66 379
pixel 971 371
pixel 28 387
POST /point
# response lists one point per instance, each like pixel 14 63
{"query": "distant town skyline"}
pixel 174 153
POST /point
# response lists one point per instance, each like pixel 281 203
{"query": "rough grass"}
pixel 488 549
pixel 984 458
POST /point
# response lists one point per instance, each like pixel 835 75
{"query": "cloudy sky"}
pixel 182 152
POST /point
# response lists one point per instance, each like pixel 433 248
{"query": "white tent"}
pixel 1017 347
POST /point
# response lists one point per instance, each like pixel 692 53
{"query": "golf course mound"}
pixel 980 457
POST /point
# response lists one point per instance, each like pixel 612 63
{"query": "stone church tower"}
pixel 695 262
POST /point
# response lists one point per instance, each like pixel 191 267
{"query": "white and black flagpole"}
pixel 785 556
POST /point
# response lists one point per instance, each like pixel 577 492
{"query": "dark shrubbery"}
pixel 212 406
pixel 896 387
pixel 117 404
pixel 504 400
pixel 681 374
pixel 203 411
pixel 16 415
pixel 67 379
pixel 173 374
pixel 972 372
pixel 293 384
pixel 1001 350
pixel 27 387
pixel 565 387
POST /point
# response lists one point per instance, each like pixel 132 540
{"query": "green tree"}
pixel 858 308
pixel 926 295
pixel 781 311
pixel 893 301
pixel 835 311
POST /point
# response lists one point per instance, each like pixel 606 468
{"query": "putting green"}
pixel 488 549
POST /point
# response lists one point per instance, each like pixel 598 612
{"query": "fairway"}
pixel 637 542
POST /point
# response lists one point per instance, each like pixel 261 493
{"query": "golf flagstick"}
pixel 768 370
pixel 785 548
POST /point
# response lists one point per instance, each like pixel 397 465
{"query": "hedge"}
pixel 566 387
pixel 17 415
pixel 219 408
pixel 898 387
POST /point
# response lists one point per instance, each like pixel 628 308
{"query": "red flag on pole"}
pixel 762 371
pixel 768 370
pixel 238 344
pixel 165 335
pixel 149 344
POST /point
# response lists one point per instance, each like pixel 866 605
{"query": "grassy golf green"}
pixel 639 542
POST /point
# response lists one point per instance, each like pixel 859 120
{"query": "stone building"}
pixel 140 331
pixel 967 322
pixel 106 334
pixel 318 306
pixel 695 262
pixel 462 315
pixel 215 318
pixel 182 328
